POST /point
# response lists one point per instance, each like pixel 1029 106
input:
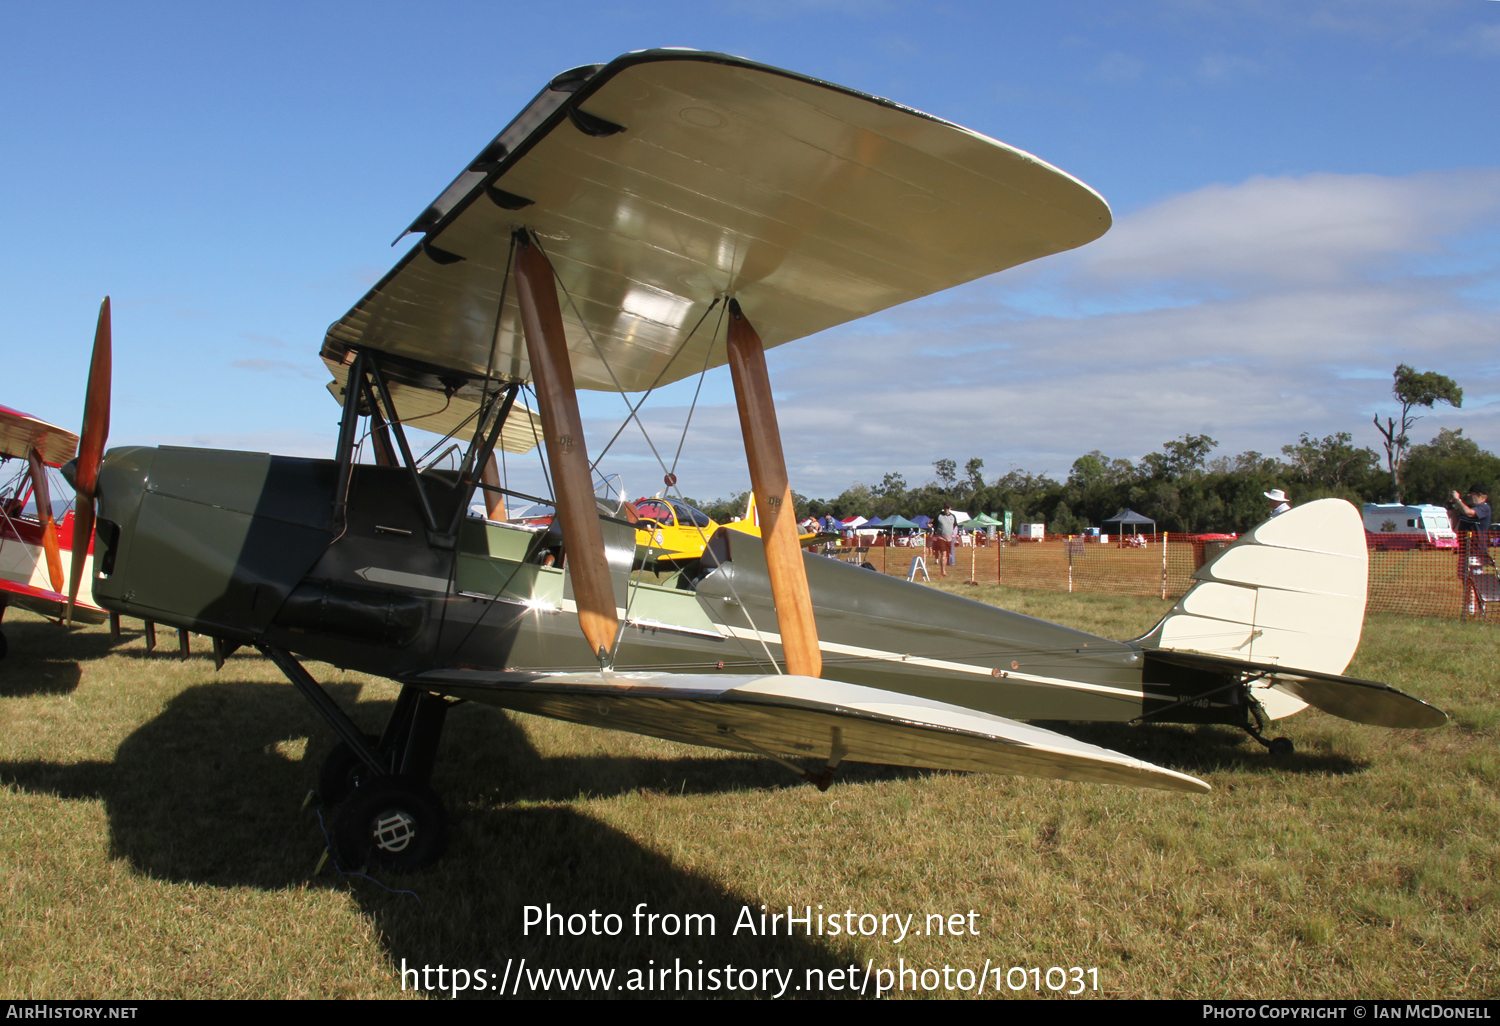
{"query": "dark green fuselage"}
pixel 243 547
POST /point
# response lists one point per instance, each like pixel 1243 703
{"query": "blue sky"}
pixel 1306 194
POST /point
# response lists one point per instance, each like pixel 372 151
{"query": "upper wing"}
pixel 21 431
pixel 806 717
pixel 668 178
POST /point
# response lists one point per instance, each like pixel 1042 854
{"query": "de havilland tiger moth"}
pixel 640 222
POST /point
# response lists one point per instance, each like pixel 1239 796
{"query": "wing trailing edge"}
pixel 807 717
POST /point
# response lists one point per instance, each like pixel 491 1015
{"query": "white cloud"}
pixel 1282 305
pixel 1216 68
pixel 1319 227
pixel 1293 300
pixel 1118 68
pixel 280 443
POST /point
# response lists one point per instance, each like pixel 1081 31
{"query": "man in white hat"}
pixel 1279 505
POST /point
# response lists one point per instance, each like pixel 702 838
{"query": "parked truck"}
pixel 1390 525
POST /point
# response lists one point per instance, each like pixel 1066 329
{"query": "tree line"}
pixel 1183 487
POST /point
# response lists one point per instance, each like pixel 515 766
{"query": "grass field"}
pixel 151 843
pixel 1413 582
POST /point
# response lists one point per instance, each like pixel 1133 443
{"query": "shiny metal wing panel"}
pixel 806 717
pixel 812 204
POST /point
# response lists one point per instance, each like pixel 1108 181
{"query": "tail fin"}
pixel 1290 593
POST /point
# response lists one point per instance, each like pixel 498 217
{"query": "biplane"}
pixel 639 222
pixel 37 552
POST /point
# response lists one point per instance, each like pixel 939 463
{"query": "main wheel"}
pixel 1281 746
pixel 341 772
pixel 394 823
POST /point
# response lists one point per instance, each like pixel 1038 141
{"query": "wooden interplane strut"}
pixel 562 432
pixel 44 514
pixel 773 497
pixel 494 501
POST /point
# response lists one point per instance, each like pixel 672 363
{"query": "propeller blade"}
pixel 96 407
pixel 90 452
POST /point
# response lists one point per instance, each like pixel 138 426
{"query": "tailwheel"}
pixel 394 823
pixel 1280 746
pixel 341 771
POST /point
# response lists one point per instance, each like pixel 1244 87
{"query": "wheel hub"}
pixel 394 830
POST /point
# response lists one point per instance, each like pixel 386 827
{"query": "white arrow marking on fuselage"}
pixel 380 575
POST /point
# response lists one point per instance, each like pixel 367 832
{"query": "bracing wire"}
pixel 669 476
pixel 626 422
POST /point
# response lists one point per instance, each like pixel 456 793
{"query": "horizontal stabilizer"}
pixel 805 717
pixel 1362 701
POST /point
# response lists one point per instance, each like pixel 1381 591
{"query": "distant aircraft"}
pixel 585 247
pixel 37 554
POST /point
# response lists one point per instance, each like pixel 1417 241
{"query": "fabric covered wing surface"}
pixel 811 204
pixel 21 431
pixel 807 717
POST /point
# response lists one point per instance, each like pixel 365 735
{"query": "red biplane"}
pixel 37 553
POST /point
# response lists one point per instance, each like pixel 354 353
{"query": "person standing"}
pixel 945 528
pixel 1474 524
pixel 1279 503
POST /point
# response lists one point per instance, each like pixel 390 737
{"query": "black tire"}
pixel 393 823
pixel 341 772
pixel 4 645
pixel 867 566
pixel 1282 746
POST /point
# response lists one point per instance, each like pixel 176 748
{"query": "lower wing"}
pixel 805 717
pixel 46 603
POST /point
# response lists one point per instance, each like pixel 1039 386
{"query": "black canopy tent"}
pixel 1131 518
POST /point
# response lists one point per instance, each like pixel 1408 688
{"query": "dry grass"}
pixel 151 843
pixel 1409 583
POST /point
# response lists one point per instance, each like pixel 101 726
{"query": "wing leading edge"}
pixel 806 717
pixel 668 178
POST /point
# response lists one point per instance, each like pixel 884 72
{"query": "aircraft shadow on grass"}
pixel 204 794
pixel 201 794
pixel 1203 749
pixel 45 659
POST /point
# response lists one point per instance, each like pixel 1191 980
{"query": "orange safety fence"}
pixel 1459 583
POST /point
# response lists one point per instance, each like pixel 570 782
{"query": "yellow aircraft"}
pixel 676 533
pixel 672 531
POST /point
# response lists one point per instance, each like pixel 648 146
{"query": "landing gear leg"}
pixel 390 817
pixel 1279 746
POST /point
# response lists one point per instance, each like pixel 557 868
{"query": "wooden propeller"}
pixel 90 452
